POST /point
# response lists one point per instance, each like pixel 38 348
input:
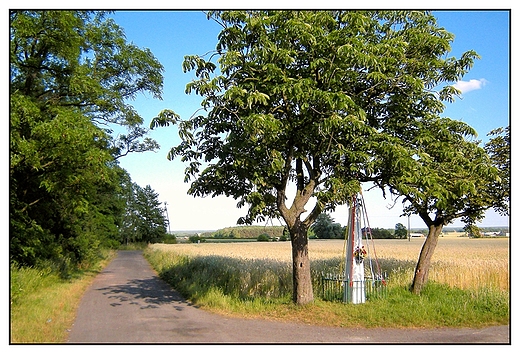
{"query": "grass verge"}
pixel 43 305
pixel 262 289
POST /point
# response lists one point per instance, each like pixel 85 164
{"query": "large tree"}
pixel 72 74
pixel 325 227
pixel 400 231
pixel 144 218
pixel 499 149
pixel 303 104
pixel 442 174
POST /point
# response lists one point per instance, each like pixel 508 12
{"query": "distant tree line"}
pixel 326 228
pixel 247 232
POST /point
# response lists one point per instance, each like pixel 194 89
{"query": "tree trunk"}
pixel 423 264
pixel 302 281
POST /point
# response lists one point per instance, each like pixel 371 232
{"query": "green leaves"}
pixel 164 119
pixel 450 173
pixel 256 98
pixel 144 219
pixel 81 60
pixel 71 75
pixel 499 150
pixel 325 100
pixel 202 68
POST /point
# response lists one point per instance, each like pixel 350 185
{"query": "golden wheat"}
pixel 457 261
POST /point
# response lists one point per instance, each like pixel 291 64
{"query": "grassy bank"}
pixel 43 304
pixel 252 280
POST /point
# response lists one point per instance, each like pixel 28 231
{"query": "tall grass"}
pixel 43 303
pixel 255 279
pixel 462 263
pixel 457 262
pixel 241 278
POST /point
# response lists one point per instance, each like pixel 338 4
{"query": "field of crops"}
pixel 458 261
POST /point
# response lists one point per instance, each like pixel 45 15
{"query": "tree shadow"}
pixel 145 293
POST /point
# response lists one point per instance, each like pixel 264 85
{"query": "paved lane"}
pixel 129 303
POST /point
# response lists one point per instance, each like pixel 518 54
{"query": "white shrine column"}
pixel 354 291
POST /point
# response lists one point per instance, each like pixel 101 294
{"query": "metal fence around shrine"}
pixel 338 288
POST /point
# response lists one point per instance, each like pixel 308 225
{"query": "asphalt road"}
pixel 129 303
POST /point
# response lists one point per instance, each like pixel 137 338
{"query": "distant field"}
pixel 458 261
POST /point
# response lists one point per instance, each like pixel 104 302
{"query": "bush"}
pixel 196 239
pixel 263 238
pixel 170 239
pixel 379 233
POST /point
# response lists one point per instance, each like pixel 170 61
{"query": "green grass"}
pixel 43 304
pixel 262 289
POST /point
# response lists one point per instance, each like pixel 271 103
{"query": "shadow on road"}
pixel 129 303
pixel 146 293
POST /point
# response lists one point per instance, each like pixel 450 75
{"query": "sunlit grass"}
pixel 469 282
pixel 43 305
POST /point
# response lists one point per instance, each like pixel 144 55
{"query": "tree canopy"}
pixel 400 231
pixel 325 227
pixel 442 174
pixel 144 218
pixel 499 150
pixel 71 76
pixel 311 104
pixel 323 90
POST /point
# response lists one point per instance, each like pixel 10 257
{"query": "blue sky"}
pixel 171 35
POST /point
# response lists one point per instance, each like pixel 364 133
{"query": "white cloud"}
pixel 471 85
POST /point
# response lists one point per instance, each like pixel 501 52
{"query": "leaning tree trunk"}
pixel 423 264
pixel 302 281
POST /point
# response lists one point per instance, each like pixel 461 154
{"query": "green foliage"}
pixel 248 232
pixel 473 231
pixel 133 246
pixel 169 239
pixel 263 288
pixel 499 150
pixel 381 233
pixel 325 227
pixel 450 173
pixel 144 219
pixel 442 174
pixel 263 238
pixel 400 231
pixel 309 89
pixel 196 239
pixel 62 187
pixel 323 101
pixel 225 234
pixel 71 76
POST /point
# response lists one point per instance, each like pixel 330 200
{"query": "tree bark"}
pixel 302 281
pixel 423 264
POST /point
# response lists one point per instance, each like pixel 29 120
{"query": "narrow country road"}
pixel 129 303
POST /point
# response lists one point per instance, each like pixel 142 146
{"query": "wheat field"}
pixel 458 261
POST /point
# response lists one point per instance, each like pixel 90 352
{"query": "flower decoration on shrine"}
pixel 360 254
